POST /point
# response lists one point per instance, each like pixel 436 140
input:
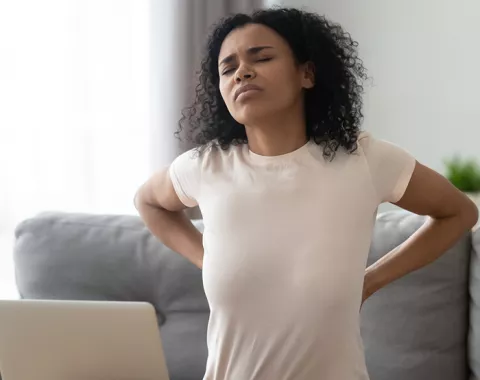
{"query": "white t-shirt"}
pixel 286 243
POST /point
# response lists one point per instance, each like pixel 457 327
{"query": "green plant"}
pixel 464 174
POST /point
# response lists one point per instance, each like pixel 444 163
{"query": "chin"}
pixel 251 114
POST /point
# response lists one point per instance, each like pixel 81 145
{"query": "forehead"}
pixel 248 36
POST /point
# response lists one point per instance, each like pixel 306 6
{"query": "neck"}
pixel 278 135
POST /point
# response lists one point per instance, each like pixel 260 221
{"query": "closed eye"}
pixel 231 70
pixel 228 71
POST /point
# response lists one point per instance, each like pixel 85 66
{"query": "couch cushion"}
pixel 416 328
pixel 474 337
pixel 185 334
pixel 91 257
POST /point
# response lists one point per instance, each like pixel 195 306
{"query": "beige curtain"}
pixel 175 60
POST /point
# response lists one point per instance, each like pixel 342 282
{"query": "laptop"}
pixel 80 340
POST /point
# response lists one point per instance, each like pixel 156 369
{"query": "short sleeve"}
pixel 390 166
pixel 185 175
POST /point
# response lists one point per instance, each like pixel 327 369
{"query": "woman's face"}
pixel 259 77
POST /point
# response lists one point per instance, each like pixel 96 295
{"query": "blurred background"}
pixel 91 92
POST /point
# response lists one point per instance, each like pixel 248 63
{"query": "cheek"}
pixel 285 92
pixel 225 90
pixel 283 83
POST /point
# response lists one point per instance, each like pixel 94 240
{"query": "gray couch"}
pixel 425 326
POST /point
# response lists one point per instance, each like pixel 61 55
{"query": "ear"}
pixel 308 75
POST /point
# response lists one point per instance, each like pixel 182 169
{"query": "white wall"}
pixel 424 57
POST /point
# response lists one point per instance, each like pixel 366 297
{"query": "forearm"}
pixel 434 238
pixel 175 230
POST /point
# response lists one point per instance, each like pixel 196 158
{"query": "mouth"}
pixel 245 89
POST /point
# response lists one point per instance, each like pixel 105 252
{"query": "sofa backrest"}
pixel 415 328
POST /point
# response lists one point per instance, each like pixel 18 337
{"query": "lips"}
pixel 247 87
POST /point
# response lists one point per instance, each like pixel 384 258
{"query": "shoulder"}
pixel 376 148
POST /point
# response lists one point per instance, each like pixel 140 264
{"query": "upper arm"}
pixel 399 179
pixel 177 186
pixel 429 193
pixel 159 191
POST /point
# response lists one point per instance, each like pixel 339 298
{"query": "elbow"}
pixel 469 214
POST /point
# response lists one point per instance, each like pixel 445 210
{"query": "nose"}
pixel 244 73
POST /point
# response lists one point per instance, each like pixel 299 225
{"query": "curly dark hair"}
pixel 333 107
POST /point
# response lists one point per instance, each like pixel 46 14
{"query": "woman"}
pixel 288 187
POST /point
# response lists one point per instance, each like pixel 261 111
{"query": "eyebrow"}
pixel 250 51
